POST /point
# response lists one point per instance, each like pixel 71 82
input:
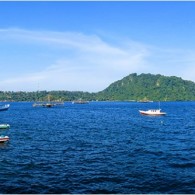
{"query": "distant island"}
pixel 134 87
pixel 150 87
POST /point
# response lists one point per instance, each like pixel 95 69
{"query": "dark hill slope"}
pixel 150 87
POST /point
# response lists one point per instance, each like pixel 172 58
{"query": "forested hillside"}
pixel 133 87
pixel 43 96
pixel 150 87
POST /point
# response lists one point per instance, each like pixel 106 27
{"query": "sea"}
pixel 98 148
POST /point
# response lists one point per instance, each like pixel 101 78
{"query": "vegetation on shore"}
pixel 132 87
pixel 150 87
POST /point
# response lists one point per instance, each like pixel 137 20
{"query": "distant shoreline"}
pixel 132 88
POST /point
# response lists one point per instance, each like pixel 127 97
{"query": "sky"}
pixel 87 45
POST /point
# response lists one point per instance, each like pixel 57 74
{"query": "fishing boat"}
pixel 152 112
pixel 4 126
pixel 48 104
pixel 4 138
pixel 4 107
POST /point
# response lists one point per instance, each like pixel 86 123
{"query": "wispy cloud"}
pixel 76 61
pixel 79 62
pixel 173 62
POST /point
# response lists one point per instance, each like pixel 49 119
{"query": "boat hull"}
pixel 4 126
pixel 4 107
pixel 4 139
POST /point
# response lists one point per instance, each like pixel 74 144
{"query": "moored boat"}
pixel 4 126
pixel 80 101
pixel 48 104
pixel 153 112
pixel 4 107
pixel 4 138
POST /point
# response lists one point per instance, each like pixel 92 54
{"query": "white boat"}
pixel 4 138
pixel 4 126
pixel 4 107
pixel 80 101
pixel 153 112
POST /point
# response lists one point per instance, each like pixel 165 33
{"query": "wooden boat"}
pixel 153 112
pixel 4 126
pixel 4 107
pixel 4 138
pixel 48 104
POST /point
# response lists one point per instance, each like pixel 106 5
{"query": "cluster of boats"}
pixel 47 104
pixel 4 138
pixel 152 112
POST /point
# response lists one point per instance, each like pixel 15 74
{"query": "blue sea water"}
pixel 100 147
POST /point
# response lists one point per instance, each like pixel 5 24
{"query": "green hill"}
pixel 149 87
pixel 133 87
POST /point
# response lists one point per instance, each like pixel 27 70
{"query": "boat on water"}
pixel 48 103
pixel 152 112
pixel 4 138
pixel 145 101
pixel 80 102
pixel 43 104
pixel 4 126
pixel 4 107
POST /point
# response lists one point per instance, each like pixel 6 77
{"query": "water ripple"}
pixel 98 148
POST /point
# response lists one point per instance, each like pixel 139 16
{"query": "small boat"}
pixel 4 107
pixel 48 104
pixel 4 126
pixel 80 101
pixel 153 112
pixel 145 101
pixel 4 138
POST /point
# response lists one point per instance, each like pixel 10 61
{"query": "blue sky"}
pixel 85 46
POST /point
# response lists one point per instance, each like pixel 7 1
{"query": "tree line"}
pixel 132 87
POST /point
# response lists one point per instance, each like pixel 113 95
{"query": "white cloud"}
pixel 172 62
pixel 75 61
pixel 84 62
